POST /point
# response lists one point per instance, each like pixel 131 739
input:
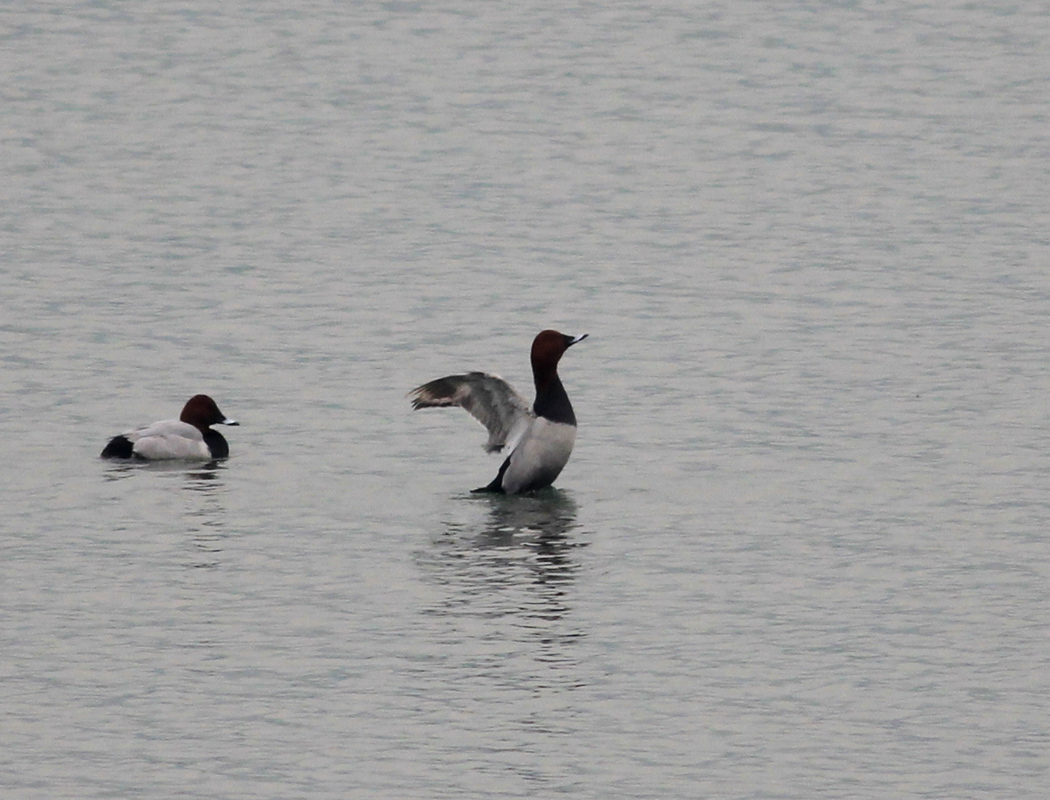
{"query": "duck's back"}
pixel 168 439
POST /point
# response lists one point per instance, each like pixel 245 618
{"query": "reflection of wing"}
pixel 488 398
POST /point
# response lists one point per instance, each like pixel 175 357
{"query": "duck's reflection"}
pixel 205 477
pixel 195 471
pixel 208 519
pixel 205 515
pixel 521 541
pixel 507 580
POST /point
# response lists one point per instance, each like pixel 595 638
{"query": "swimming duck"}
pixel 189 437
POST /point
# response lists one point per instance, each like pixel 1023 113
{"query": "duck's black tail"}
pixel 118 447
pixel 496 487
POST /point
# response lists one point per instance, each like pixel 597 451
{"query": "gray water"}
pixel 801 549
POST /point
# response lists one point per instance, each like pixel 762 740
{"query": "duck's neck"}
pixel 217 443
pixel 551 400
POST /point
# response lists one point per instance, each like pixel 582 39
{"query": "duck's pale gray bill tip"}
pixel 230 422
pixel 578 339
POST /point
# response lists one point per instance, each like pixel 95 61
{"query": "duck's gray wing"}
pixel 169 438
pixel 488 398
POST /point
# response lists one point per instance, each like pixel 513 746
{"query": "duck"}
pixel 538 438
pixel 188 437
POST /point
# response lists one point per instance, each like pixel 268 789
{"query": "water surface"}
pixel 800 550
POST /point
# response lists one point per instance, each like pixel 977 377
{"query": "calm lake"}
pixel 802 547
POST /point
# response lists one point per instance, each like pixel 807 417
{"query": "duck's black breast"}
pixel 217 443
pixel 553 403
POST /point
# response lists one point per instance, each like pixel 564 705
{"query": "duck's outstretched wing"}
pixel 488 398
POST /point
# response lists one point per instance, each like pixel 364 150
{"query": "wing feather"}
pixel 169 438
pixel 488 398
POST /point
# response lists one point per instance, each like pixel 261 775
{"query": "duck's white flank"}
pixel 540 456
pixel 168 439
